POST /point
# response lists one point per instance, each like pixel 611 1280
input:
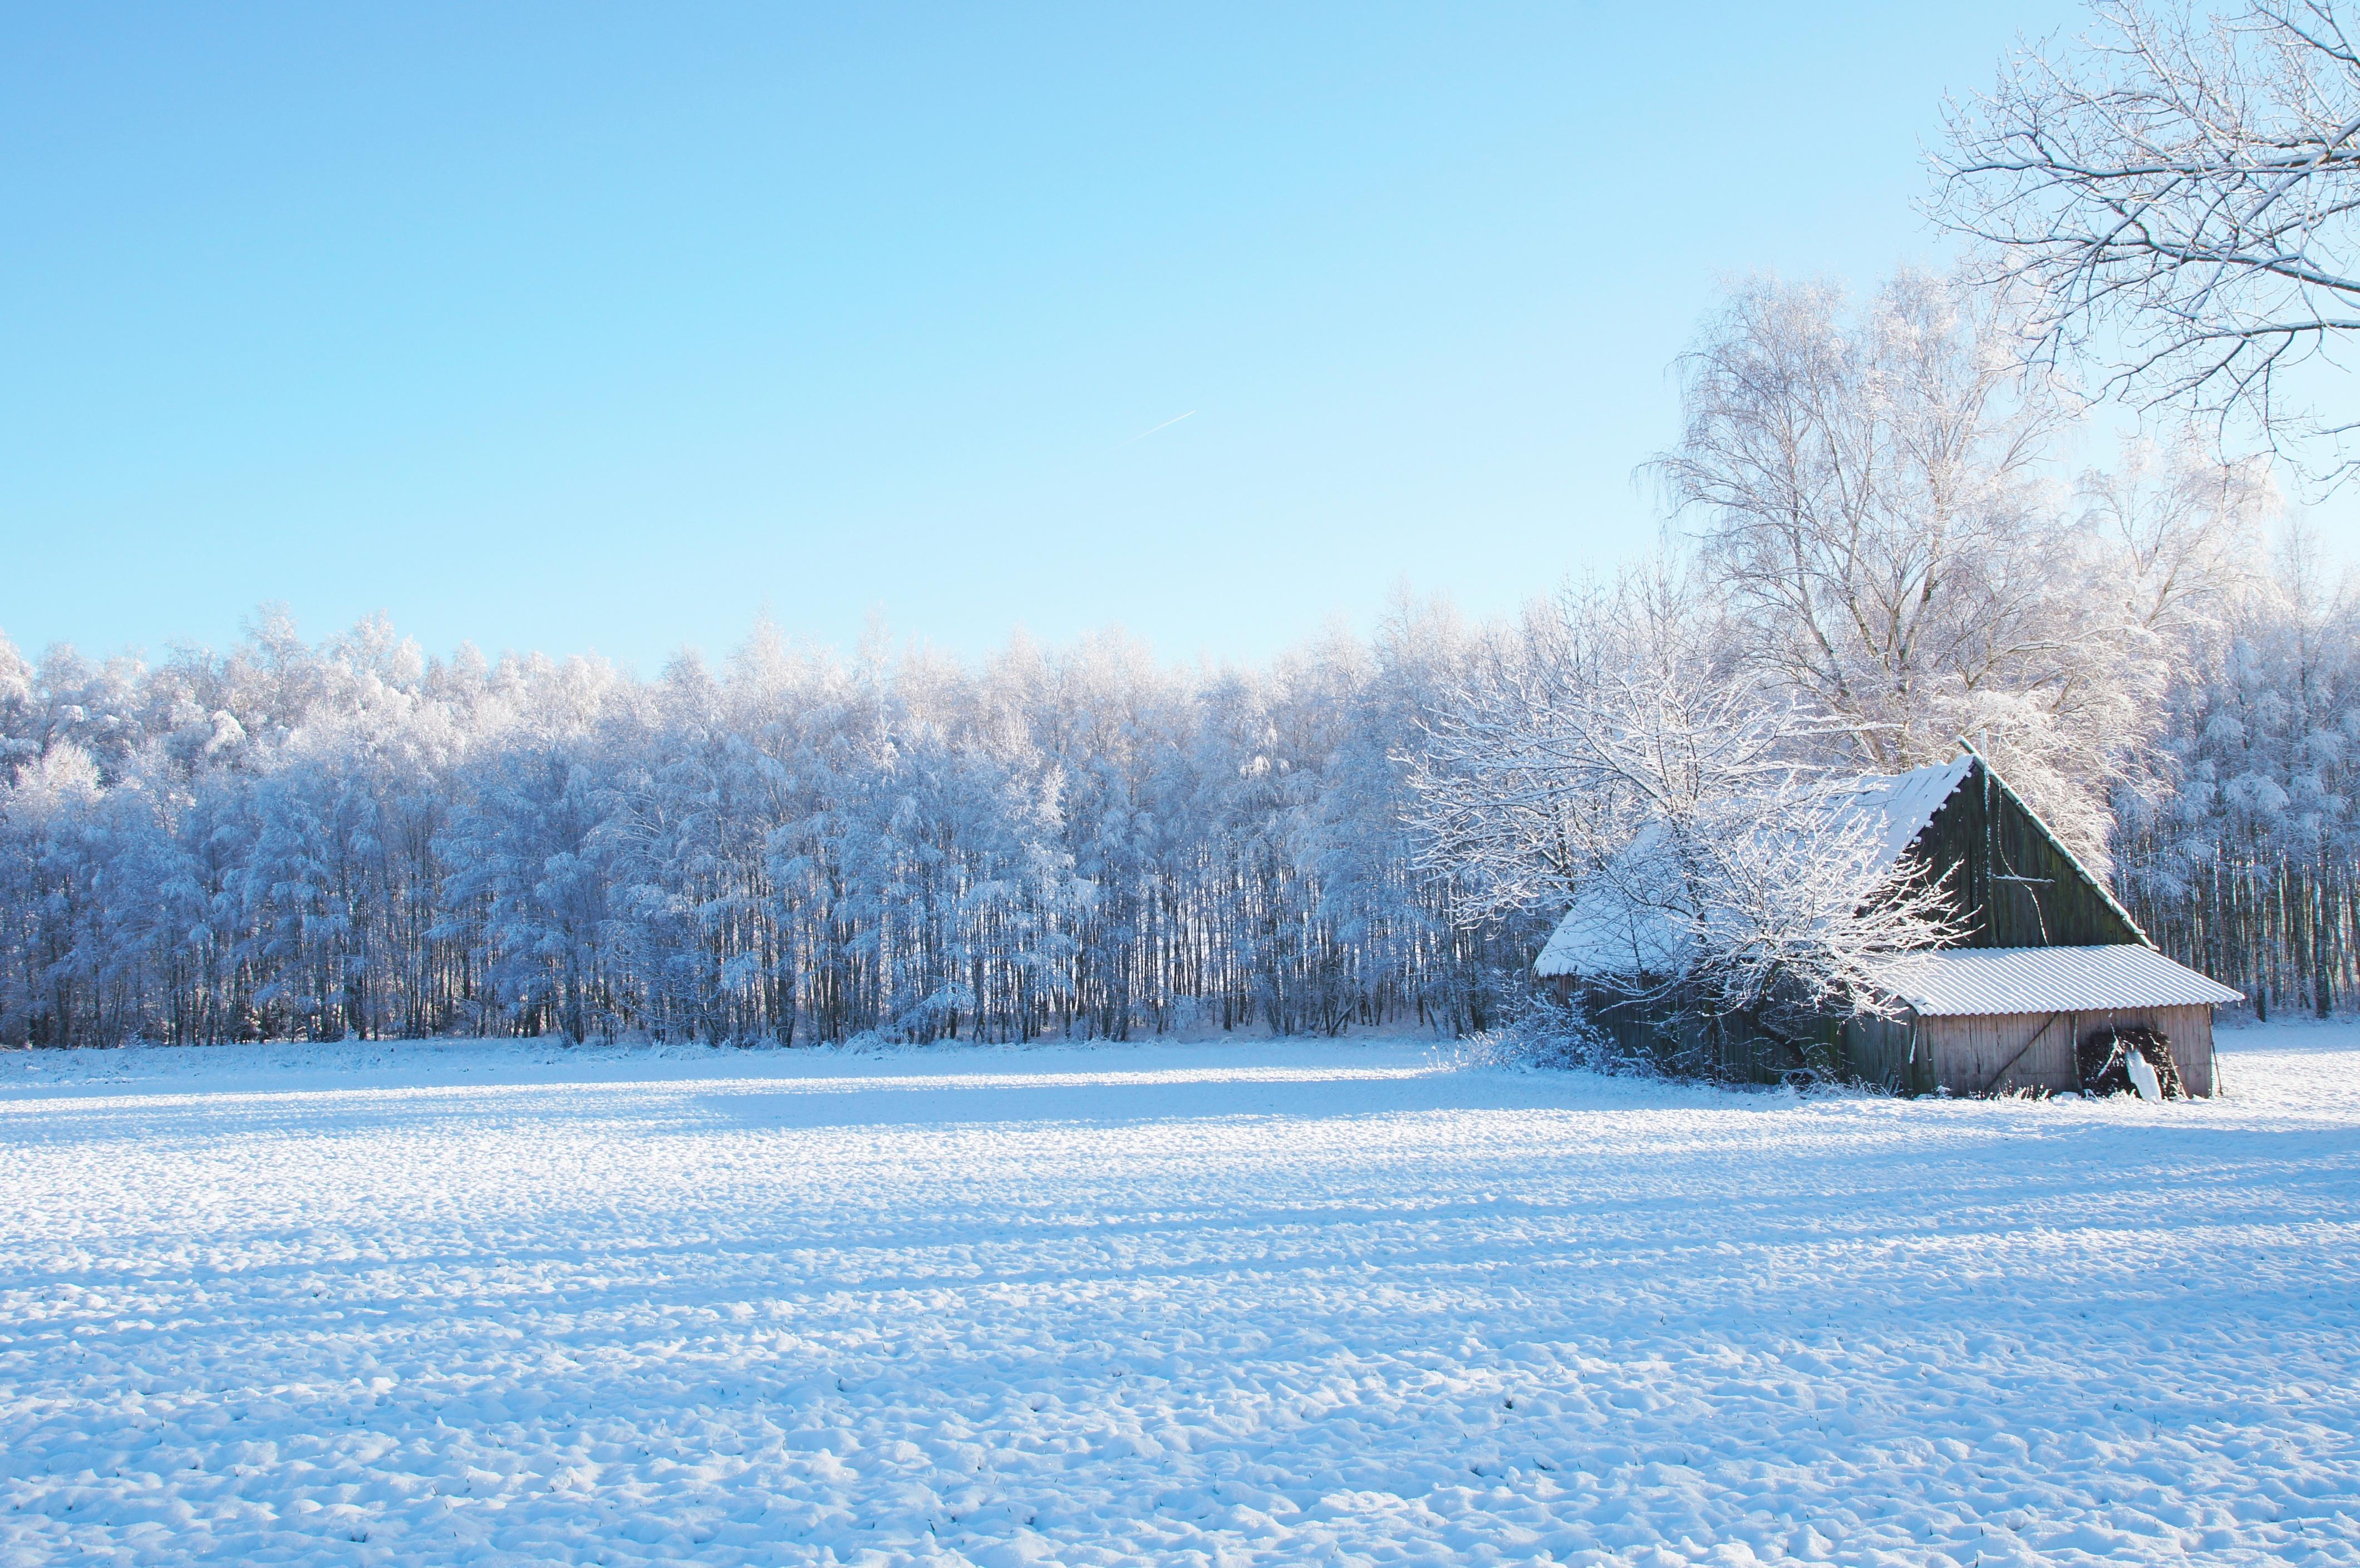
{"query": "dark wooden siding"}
pixel 1732 1047
pixel 2013 885
pixel 1882 1051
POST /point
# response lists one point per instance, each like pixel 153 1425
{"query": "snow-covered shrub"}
pixel 1543 1031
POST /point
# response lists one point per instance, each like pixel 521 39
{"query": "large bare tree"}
pixel 2176 193
pixel 1867 489
pixel 1871 493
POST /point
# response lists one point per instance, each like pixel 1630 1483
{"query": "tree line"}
pixel 2245 864
pixel 349 838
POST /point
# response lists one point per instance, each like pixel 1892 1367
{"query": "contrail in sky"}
pixel 1167 424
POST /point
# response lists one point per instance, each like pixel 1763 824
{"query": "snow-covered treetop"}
pixel 1874 818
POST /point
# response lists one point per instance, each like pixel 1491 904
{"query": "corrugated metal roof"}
pixel 1605 933
pixel 1980 981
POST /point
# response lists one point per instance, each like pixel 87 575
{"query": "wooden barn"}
pixel 2047 961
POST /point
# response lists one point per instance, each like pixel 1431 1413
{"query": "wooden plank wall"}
pixel 1966 1054
pixel 1911 1056
pixel 1878 1050
pixel 1734 1047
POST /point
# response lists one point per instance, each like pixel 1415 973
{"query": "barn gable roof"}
pixel 1908 802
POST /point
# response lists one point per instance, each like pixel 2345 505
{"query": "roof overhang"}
pixel 1968 982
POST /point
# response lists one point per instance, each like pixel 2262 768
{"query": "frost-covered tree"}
pixel 1871 494
pixel 18 744
pixel 1630 759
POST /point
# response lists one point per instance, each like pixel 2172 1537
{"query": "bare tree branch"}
pixel 2178 193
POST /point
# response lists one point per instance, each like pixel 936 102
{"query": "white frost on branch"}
pixel 1868 491
pixel 1714 861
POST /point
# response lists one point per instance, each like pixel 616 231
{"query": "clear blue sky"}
pixel 597 328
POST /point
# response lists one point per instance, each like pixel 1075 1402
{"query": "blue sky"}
pixel 603 329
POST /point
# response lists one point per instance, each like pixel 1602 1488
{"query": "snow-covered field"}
pixel 1245 1303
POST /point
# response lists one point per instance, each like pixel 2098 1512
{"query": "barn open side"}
pixel 1993 1020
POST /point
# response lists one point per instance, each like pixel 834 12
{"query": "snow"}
pixel 1904 804
pixel 1604 929
pixel 1269 1302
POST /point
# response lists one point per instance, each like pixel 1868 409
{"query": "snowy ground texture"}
pixel 1253 1303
